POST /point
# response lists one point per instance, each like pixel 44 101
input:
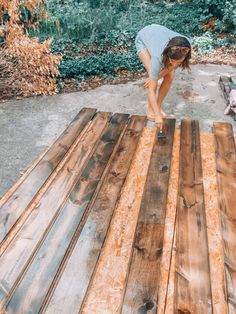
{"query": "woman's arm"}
pixel 164 71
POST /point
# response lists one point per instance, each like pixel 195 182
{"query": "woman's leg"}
pixel 146 60
pixel 145 57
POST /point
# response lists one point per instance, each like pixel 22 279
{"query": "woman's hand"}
pixel 146 83
pixel 159 120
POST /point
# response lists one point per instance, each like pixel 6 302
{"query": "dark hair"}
pixel 177 41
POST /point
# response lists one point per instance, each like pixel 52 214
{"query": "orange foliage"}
pixel 209 26
pixel 27 67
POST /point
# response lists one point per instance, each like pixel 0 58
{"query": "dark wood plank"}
pixel 142 280
pixel 224 83
pixel 233 79
pixel 192 273
pixel 19 253
pixel 90 242
pixel 226 178
pixel 12 209
pixel 29 294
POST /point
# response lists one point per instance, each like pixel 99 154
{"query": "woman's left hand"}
pixel 146 83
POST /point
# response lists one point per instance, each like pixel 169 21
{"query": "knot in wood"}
pixel 149 305
pixel 164 168
pixel 183 311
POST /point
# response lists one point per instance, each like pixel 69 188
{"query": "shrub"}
pixel 27 66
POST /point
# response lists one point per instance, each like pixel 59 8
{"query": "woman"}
pixel 161 51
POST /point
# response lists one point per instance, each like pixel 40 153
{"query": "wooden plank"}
pixel 233 79
pixel 20 222
pixel 20 252
pixel 224 83
pixel 226 178
pixel 170 219
pixel 143 277
pixel 192 273
pixel 72 286
pixel 13 188
pixel 12 209
pixel 32 289
pixel 106 288
pixel 216 256
pixel 169 302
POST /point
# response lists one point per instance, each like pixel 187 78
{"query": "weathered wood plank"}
pixel 21 250
pixel 192 273
pixel 70 291
pixel 165 268
pixel 144 274
pixel 226 178
pixel 216 256
pixel 224 83
pixel 233 79
pixel 106 287
pixel 27 296
pixel 12 209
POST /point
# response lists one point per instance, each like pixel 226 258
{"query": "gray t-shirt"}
pixel 155 37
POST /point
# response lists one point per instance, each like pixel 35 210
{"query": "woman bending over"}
pixel 161 51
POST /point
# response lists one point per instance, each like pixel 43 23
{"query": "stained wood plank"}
pixel 226 178
pixel 216 256
pixel 15 259
pixel 233 79
pixel 192 273
pixel 224 83
pixel 107 285
pixel 29 297
pixel 142 283
pixel 165 268
pixel 72 286
pixel 12 209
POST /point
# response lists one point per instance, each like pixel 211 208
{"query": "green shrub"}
pixel 96 36
pixel 223 10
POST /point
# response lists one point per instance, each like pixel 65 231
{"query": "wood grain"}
pixel 224 83
pixel 226 179
pixel 28 296
pixel 165 295
pixel 15 259
pixel 71 288
pixel 106 288
pixel 192 273
pixel 216 256
pixel 144 273
pixel 14 206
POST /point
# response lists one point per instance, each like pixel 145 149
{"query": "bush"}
pixel 94 36
pixel 223 10
pixel 27 66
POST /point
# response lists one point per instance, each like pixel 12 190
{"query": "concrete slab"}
pixel 28 126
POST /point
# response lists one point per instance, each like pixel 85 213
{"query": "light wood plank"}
pixel 192 273
pixel 71 288
pixel 31 291
pixel 21 250
pixel 12 209
pixel 144 273
pixel 216 256
pixel 106 288
pixel 226 177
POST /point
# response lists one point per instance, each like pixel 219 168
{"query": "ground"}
pixel 30 125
